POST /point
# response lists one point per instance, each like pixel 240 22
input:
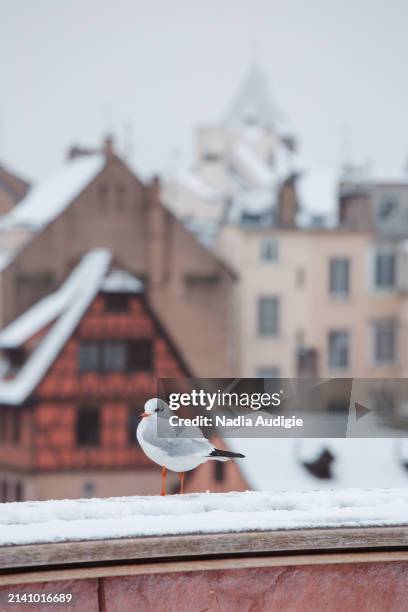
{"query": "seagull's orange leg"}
pixel 164 473
pixel 181 482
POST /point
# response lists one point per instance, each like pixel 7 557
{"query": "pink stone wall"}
pixel 328 588
pixel 362 587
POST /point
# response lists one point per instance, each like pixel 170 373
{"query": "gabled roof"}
pixel 50 198
pixel 66 307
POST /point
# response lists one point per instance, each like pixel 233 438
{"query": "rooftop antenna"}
pixel 107 119
pixel 346 149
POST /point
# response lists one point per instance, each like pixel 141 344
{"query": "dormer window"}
pixel 116 302
pixel 321 467
pixel 387 208
pixel 16 358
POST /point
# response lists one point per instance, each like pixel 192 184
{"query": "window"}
pixel 15 425
pixel 338 405
pixel 16 357
pixel 120 191
pixel 338 349
pixel 321 467
pixel 140 355
pixel 87 427
pixel 384 269
pixel 339 276
pixel 133 422
pixel 211 156
pixel 268 316
pixel 4 491
pixel 19 494
pixel 384 341
pixel 269 250
pixel 387 208
pixel 268 372
pixel 116 356
pixel 219 471
pixel 113 356
pixel 3 424
pixel 88 356
pixel 116 302
pixel 103 191
pixel 300 277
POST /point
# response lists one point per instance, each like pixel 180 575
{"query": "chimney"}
pixel 107 148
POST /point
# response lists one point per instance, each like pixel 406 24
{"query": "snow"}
pixel 5 259
pixel 358 462
pixel 250 163
pixel 198 186
pixel 49 199
pixel 70 302
pixel 47 309
pixel 318 192
pixel 70 520
pixel 120 281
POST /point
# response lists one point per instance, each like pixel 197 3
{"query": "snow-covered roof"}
pixel 66 306
pixel 126 517
pixel 254 105
pixel 358 462
pixel 120 281
pixel 49 308
pixel 49 199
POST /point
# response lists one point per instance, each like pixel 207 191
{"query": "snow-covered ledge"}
pixel 89 530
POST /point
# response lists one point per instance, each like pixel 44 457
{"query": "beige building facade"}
pixel 317 302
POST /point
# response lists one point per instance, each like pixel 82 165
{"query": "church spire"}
pixel 253 105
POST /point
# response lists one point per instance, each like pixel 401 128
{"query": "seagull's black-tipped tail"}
pixel 221 454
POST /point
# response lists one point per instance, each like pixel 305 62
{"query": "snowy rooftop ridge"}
pixel 46 201
pixel 120 281
pixel 48 309
pixel 124 517
pixel 69 304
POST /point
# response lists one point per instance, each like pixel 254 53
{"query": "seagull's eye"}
pixel 159 409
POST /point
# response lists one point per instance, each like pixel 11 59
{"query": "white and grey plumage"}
pixel 178 449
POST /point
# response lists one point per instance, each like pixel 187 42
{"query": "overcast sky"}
pixel 157 68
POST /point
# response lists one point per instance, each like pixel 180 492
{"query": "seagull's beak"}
pixel 145 414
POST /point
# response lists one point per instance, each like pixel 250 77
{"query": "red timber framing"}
pixel 42 435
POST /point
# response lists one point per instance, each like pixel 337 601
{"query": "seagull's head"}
pixel 156 407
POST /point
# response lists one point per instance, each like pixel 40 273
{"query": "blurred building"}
pixel 77 368
pixel 12 189
pixel 321 253
pixel 305 465
pixel 95 200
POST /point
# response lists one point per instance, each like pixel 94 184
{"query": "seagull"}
pixel 184 449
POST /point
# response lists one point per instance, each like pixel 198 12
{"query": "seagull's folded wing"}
pixel 178 441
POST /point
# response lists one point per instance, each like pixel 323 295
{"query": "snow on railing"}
pixel 134 517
